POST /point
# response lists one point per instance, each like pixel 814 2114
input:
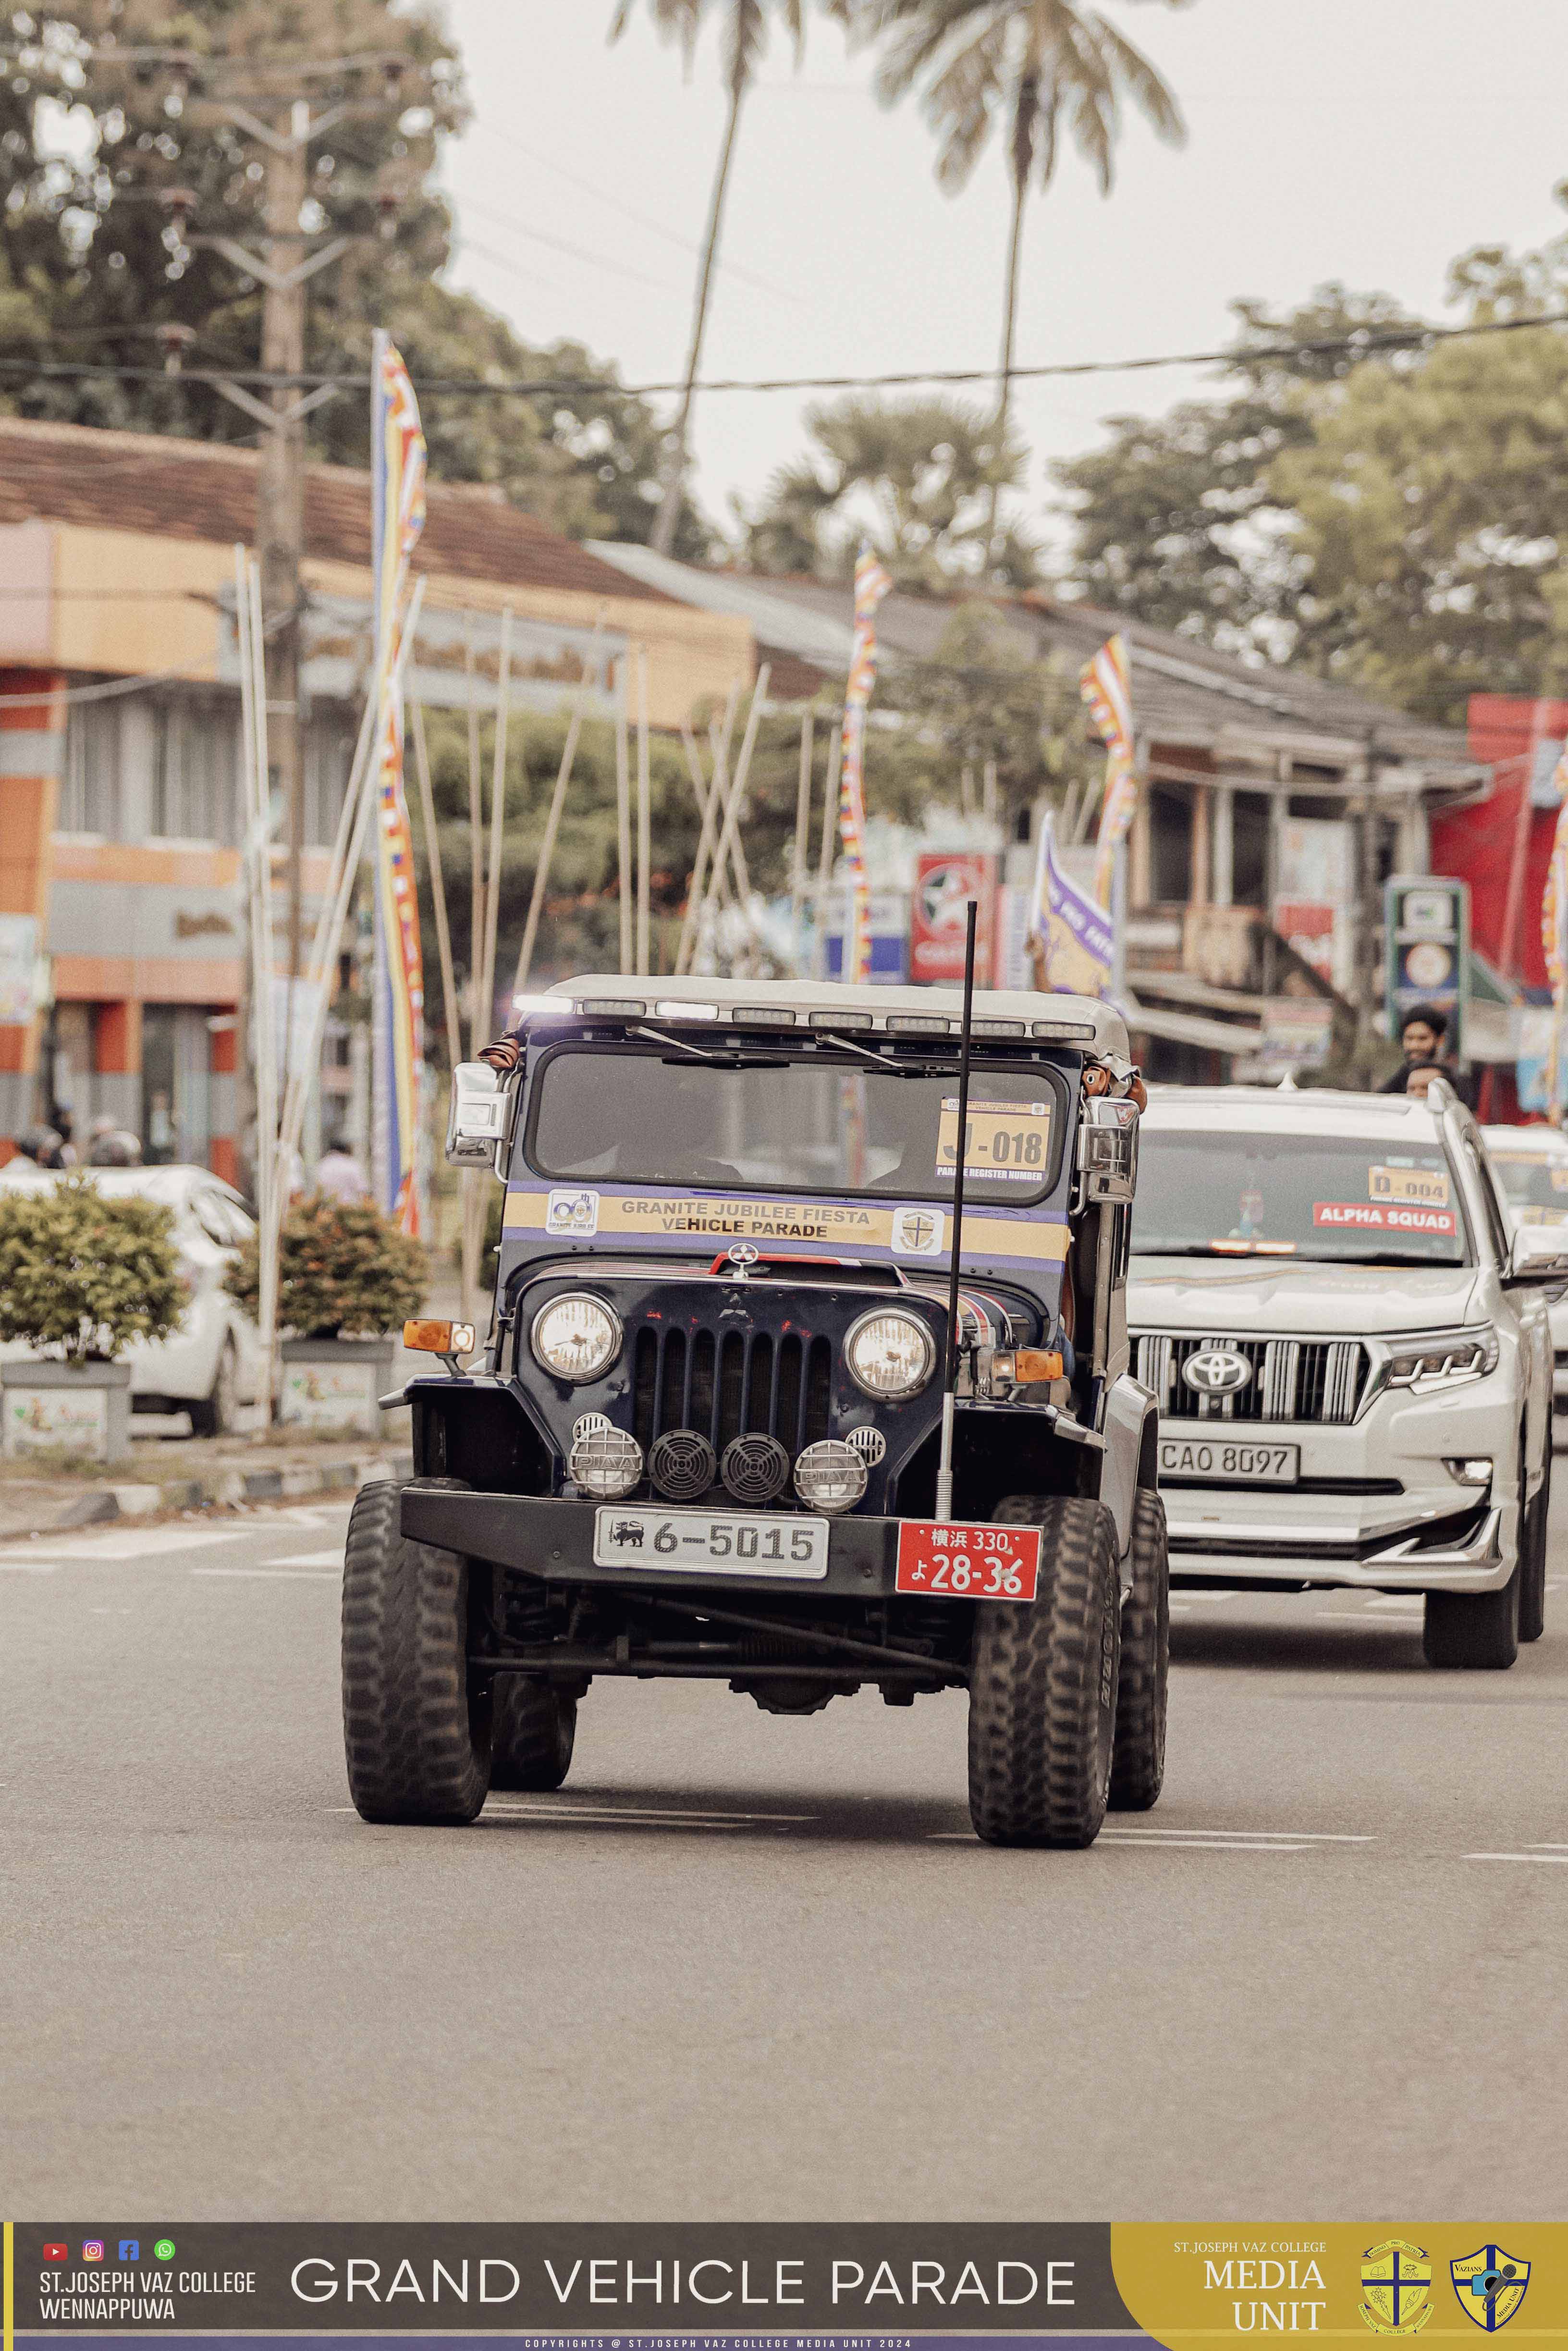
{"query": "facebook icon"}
pixel 131 2249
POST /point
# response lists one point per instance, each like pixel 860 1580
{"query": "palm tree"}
pixel 1036 62
pixel 744 42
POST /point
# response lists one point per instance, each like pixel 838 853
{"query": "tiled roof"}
pixel 195 489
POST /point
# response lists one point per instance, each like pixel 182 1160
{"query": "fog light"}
pixel 605 1462
pixel 829 1475
pixel 1475 1471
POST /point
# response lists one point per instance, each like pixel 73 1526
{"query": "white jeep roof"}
pixel 1541 1143
pixel 1078 1020
pixel 1308 1110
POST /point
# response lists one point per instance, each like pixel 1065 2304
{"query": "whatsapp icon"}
pixel 163 2251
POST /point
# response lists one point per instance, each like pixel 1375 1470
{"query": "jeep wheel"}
pixel 1138 1759
pixel 1042 1683
pixel 533 1729
pixel 1474 1629
pixel 416 1730
pixel 1532 1574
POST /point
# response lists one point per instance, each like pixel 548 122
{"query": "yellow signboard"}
pixel 1005 1141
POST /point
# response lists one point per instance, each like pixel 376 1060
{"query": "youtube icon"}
pixel 56 2252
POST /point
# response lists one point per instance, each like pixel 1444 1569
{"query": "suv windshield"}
pixel 1325 1196
pixel 829 1125
pixel 1534 1185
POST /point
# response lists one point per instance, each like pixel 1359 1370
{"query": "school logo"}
pixel 575 1213
pixel 1490 2286
pixel 917 1232
pixel 1395 2287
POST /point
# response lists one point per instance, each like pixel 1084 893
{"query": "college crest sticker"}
pixel 1490 2286
pixel 917 1232
pixel 575 1213
pixel 1395 2287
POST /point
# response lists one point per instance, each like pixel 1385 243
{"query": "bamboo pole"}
pixel 742 768
pixel 989 804
pixel 476 846
pixel 547 852
pixel 829 832
pixel 719 745
pixel 497 817
pixel 258 873
pixel 623 817
pixel 644 811
pixel 803 825
pixel 705 800
pixel 437 883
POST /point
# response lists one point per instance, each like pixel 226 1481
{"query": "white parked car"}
pixel 1349 1349
pixel 212 1363
pixel 1531 1165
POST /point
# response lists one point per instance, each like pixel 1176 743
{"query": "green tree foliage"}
pixel 83 1274
pixel 913 478
pixel 1176 518
pixel 92 263
pixel 1036 66
pixel 984 698
pixel 345 1271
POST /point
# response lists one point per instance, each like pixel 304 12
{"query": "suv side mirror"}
pixel 478 1120
pixel 1539 1256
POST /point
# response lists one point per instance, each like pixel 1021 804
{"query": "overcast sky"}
pixel 1366 139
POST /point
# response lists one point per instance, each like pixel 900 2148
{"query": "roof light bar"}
pixel 997 1027
pixel 769 1015
pixel 1067 1031
pixel 677 1008
pixel 611 1007
pixel 919 1024
pixel 855 1022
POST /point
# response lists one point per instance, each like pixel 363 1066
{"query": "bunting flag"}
pixel 1069 936
pixel 1554 932
pixel 871 584
pixel 397 478
pixel 1106 688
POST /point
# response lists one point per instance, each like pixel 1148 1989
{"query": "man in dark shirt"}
pixel 1421 1035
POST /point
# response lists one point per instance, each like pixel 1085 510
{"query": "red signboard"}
pixel 967 1562
pixel 945 882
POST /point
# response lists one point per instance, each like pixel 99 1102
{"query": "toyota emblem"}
pixel 1217 1371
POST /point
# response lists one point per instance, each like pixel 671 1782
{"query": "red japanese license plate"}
pixel 967 1562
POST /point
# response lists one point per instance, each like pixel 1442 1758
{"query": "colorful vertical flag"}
pixel 397 480
pixel 1070 934
pixel 1554 934
pixel 871 584
pixel 1106 687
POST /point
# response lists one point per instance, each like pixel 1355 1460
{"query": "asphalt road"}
pixel 746 1968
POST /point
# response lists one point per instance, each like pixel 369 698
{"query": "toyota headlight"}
pixel 576 1336
pixel 1431 1359
pixel 890 1354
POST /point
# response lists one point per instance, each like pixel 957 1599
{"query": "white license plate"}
pixel 1229 1462
pixel 720 1543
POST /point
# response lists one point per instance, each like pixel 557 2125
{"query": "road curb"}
pixel 225 1489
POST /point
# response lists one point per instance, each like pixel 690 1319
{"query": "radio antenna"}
pixel 950 1376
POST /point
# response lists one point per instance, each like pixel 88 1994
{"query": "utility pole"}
pixel 280 498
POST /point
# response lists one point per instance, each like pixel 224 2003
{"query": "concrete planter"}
pixel 333 1383
pixel 47 1407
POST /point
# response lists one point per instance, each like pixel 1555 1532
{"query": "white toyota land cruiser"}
pixel 1350 1353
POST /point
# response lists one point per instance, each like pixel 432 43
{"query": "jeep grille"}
pixel 1293 1379
pixel 728 1384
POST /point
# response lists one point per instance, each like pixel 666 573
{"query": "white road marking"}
pixel 294 1574
pixel 333 1559
pixel 113 1549
pixel 1393 1601
pixel 636 1815
pixel 30 1566
pixel 1150 1844
pixel 1562 1859
pixel 1308 1836
pixel 1385 1624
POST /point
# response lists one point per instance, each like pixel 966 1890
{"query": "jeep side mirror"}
pixel 1539 1256
pixel 1108 1148
pixel 478 1120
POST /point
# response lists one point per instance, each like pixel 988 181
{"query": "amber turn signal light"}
pixel 1026 1365
pixel 439 1338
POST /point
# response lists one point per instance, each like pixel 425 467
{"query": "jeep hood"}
pixel 1199 1294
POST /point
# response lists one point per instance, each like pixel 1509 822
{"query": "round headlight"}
pixel 576 1336
pixel 890 1354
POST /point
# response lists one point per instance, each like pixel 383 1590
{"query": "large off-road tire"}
pixel 417 1732
pixel 1042 1683
pixel 1532 1567
pixel 1479 1630
pixel 1138 1756
pixel 531 1734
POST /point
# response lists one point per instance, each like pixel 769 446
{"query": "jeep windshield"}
pixel 831 1122
pixel 1326 1197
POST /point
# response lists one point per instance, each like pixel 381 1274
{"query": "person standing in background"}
pixel 339 1175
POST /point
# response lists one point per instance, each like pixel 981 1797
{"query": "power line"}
pixel 1362 344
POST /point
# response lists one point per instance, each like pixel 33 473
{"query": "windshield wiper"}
pixel 898 1068
pixel 700 1053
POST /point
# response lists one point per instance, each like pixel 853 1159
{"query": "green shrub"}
pixel 82 1275
pixel 344 1271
